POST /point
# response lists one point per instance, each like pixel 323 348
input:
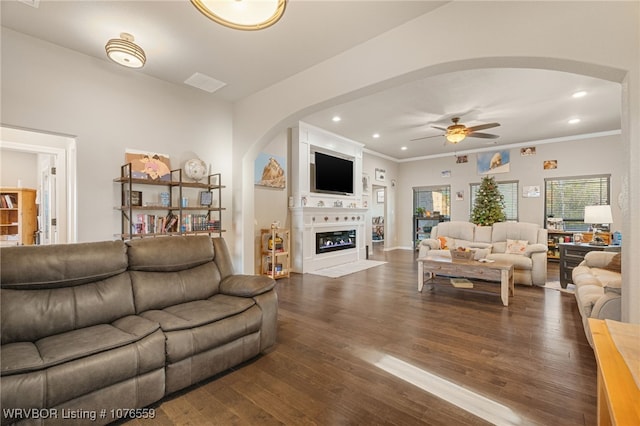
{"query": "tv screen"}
pixel 333 174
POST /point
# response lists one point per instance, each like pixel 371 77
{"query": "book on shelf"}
pixel 6 201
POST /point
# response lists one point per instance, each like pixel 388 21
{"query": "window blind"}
pixel 566 198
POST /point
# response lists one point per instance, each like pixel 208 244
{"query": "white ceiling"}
pixel 531 105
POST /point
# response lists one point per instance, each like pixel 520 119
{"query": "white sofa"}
pixel 530 263
pixel 598 284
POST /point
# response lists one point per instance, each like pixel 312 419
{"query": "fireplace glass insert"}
pixel 335 240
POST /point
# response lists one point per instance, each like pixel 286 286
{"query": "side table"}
pixel 572 254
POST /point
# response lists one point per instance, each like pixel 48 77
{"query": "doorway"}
pixel 55 177
pixel 378 217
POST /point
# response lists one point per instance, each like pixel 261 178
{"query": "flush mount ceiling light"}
pixel 248 15
pixel 125 52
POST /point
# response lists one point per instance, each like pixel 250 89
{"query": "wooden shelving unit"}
pixel 275 259
pixel 18 216
pixel 173 218
pixel 422 226
pixel 555 238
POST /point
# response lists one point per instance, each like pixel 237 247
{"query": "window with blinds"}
pixel 509 191
pixel 566 198
pixel 433 199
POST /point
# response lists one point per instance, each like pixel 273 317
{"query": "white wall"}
pixel 17 167
pixel 575 158
pixel 272 202
pixel 109 108
pixel 371 162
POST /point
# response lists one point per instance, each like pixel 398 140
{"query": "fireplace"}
pixel 336 240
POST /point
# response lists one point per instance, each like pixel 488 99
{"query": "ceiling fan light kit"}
pixel 248 15
pixel 456 133
pixel 125 52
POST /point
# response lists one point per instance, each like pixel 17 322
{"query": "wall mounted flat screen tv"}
pixel 332 174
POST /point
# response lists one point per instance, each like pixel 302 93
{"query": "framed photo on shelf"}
pixel 206 198
pixel 135 197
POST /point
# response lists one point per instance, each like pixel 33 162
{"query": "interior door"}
pixel 47 217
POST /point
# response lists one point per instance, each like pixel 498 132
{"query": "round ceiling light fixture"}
pixel 125 52
pixel 248 15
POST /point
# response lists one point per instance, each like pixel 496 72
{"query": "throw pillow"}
pixel 443 243
pixel 615 264
pixel 516 246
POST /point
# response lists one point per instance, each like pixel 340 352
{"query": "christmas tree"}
pixel 489 205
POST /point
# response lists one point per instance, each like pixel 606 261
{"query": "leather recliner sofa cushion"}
pixel 82 375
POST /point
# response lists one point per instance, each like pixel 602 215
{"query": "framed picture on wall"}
pixel 381 175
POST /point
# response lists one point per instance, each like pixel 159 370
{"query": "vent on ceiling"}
pixel 204 82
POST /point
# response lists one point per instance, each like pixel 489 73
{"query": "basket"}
pixel 461 255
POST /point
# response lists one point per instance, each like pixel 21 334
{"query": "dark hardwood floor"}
pixel 368 349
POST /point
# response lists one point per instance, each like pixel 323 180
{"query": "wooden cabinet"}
pixel 422 226
pixel 275 246
pixel 572 254
pixel 176 207
pixel 18 216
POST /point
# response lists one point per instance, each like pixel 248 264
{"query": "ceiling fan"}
pixel 457 132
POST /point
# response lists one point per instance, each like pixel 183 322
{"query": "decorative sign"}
pixel 381 175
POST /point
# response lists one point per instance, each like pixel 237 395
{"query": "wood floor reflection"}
pixel 338 336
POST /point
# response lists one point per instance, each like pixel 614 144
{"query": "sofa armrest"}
pixel 598 259
pixel 246 285
pixel 535 248
pixel 608 306
pixel 426 245
pixel 539 267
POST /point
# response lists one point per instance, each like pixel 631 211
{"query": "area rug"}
pixel 555 285
pixel 347 268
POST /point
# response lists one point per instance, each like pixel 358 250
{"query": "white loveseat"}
pixel 530 263
pixel 598 282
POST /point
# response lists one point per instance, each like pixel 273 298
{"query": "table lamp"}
pixel 597 215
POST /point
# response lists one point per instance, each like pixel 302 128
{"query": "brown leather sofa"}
pixel 92 330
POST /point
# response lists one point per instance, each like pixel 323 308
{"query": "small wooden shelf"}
pixel 275 260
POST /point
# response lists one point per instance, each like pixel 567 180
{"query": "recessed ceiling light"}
pixel 579 94
pixel 336 119
pixel 404 148
pixel 574 121
pixel 376 135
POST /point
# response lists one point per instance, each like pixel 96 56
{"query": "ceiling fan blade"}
pixel 439 128
pixel 426 137
pixel 482 135
pixel 482 127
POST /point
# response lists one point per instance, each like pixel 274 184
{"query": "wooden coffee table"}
pixel 494 271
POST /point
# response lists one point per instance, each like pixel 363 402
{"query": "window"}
pixel 433 199
pixel 566 198
pixel 509 191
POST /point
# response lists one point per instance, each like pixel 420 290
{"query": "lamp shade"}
pixel 242 14
pixel 125 52
pixel 598 214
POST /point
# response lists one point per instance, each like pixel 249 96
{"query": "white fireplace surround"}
pixel 310 220
pixel 313 212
